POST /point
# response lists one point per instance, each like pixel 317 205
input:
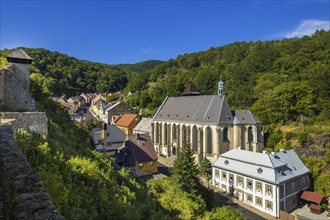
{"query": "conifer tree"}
pixel 205 166
pixel 185 171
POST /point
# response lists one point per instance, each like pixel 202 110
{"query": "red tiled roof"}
pixel 126 120
pixel 312 196
pixel 315 207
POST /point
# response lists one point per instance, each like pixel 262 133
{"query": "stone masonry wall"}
pixel 34 121
pixel 13 93
pixel 23 192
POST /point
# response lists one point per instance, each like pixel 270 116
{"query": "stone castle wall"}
pixel 14 91
pixel 34 121
pixel 23 192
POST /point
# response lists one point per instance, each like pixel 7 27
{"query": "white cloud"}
pixel 150 50
pixel 307 27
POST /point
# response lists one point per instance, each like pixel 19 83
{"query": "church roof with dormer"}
pixel 208 109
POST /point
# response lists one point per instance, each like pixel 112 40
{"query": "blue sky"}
pixel 131 31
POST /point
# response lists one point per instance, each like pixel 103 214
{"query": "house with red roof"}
pixel 127 122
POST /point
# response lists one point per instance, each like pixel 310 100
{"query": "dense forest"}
pixel 60 74
pixel 283 82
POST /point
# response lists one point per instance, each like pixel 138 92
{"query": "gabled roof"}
pixel 191 89
pixel 19 54
pixel 126 120
pixel 312 196
pixel 208 109
pixel 142 147
pixel 274 168
pixel 116 136
pixel 246 117
pixel 144 125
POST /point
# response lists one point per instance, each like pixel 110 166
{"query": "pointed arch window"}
pixel 250 135
pixel 208 140
pixel 184 135
pixel 225 135
pixel 194 138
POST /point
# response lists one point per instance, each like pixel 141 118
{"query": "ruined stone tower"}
pixel 15 81
pixel 21 62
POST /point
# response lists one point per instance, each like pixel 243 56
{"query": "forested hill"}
pixel 280 80
pixel 60 74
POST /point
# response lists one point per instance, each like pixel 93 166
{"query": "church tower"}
pixel 21 61
pixel 221 91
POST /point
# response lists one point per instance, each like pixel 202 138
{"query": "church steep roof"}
pixel 245 117
pixel 191 89
pixel 19 54
pixel 207 109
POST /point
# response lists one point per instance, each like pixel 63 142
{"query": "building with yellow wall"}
pixel 127 122
pixel 138 155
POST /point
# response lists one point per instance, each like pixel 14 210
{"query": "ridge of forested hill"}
pixel 60 74
pixel 256 74
pixel 140 67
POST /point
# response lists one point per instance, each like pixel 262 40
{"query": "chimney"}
pixel 239 148
pixel 138 136
pixel 264 152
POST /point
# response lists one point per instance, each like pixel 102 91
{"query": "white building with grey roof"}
pixel 207 123
pixel 268 182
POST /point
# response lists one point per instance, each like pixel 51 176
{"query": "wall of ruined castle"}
pixel 14 90
pixel 34 121
pixel 23 192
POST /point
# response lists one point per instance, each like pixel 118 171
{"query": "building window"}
pixel 99 141
pixel 216 173
pixel 259 187
pixel 303 181
pixel 208 140
pixel 108 134
pixel 292 186
pixel 240 180
pixel 269 190
pixel 249 184
pixel 225 134
pixel 140 165
pixel 249 198
pixel 259 201
pixel 231 178
pixel 224 175
pixel 250 135
pixel 297 184
pixel 269 205
pixel 194 139
pixel 151 163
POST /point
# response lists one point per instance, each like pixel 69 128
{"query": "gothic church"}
pixel 205 122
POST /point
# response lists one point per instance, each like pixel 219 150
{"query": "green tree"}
pixel 225 212
pixel 185 171
pixel 205 166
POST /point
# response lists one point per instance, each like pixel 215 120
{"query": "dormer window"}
pixel 226 162
pixel 259 170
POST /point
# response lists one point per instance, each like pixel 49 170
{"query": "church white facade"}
pixel 206 123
